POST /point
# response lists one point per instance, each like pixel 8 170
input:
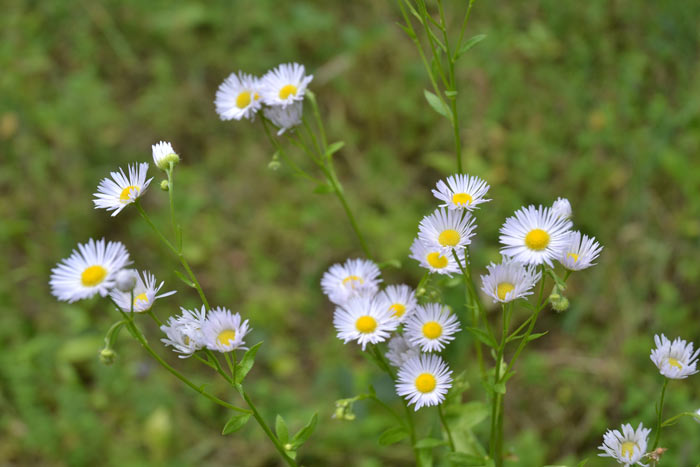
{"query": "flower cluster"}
pixel 279 93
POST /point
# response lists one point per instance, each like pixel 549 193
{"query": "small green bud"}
pixel 164 162
pixel 164 185
pixel 107 356
pixel 274 165
pixel 560 304
pixel 288 447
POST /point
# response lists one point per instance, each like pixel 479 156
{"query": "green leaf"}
pixel 235 423
pixel 536 336
pixel 281 430
pixel 470 414
pixel 333 148
pixel 184 279
pixel 393 435
pixel 462 459
pixel 394 263
pixel 428 443
pixel 582 463
pixel 413 11
pixel 471 42
pixel 483 336
pixel 451 94
pixel 438 104
pixel 303 434
pixel 323 188
pixel 246 363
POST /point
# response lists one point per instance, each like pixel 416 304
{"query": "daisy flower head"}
pixel 434 259
pixel 627 446
pixel 285 84
pixel 424 380
pixel 431 327
pixel 401 350
pixel 351 278
pixel 579 252
pixel 223 331
pixel 400 299
pixel 364 319
pixel 184 332
pixel 509 280
pixel 144 293
pixel 89 270
pixel 461 191
pixel 447 229
pixel 238 97
pixel 676 359
pixel 163 155
pixel 285 118
pixel 534 235
pixel 114 194
pixel 562 208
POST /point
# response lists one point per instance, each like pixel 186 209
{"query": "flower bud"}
pixel 274 165
pixel 288 447
pixel 164 185
pixel 126 280
pixel 559 302
pixel 107 356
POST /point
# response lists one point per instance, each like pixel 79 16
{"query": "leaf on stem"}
pixel 438 104
pixel 333 148
pixel 184 279
pixel 303 434
pixel 468 415
pixel 281 430
pixel 235 423
pixel 246 363
pixel 483 336
pixel 429 443
pixel 393 435
pixel 463 459
pixel 324 188
pixel 471 42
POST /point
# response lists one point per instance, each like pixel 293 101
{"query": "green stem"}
pixel 446 427
pixel 411 430
pixel 660 410
pixel 267 429
pixel 171 197
pixel 495 447
pixel 672 420
pixel 463 30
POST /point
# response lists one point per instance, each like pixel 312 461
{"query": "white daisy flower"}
pixel 509 280
pixel 115 195
pixel 447 229
pixel 424 380
pixel 355 276
pixel 364 319
pixel 89 271
pixel 580 252
pixel 223 330
pixel 676 359
pixel 431 327
pixel 400 299
pixel 534 235
pixel 144 294
pixel 562 208
pixel 163 155
pixel 627 447
pixel 401 350
pixel 435 260
pixel 184 332
pixel 285 118
pixel 238 97
pixel 285 84
pixel 461 191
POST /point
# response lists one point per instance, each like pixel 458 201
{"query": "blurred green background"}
pixel 595 101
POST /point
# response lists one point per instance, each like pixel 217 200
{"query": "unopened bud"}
pixel 288 447
pixel 164 185
pixel 107 356
pixel 126 280
pixel 274 165
pixel 559 302
pixel 165 161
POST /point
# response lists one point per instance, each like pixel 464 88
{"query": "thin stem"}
pixel 267 430
pixel 463 29
pixel 411 430
pixel 171 197
pixel 673 419
pixel 154 228
pixel 155 318
pixel 660 411
pixel 473 306
pixel 497 399
pixel 446 427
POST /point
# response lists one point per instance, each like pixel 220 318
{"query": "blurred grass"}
pixel 596 101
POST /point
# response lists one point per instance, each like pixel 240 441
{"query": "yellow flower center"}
pixel 537 239
pixel 449 237
pixel 352 280
pixel 366 324
pixel 503 288
pixel 399 309
pixel 462 199
pixel 243 100
pixel 288 90
pixel 125 195
pixel 143 297
pixel 425 382
pixel 436 260
pixel 186 340
pixel 93 275
pixel 572 255
pixel 673 362
pixel 256 96
pixel 627 449
pixel 226 336
pixel 432 330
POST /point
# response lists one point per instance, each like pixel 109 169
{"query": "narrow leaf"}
pixel 281 430
pixel 303 434
pixel 427 443
pixel 184 279
pixel 323 189
pixel 333 148
pixel 471 42
pixel 438 104
pixel 536 336
pixel 246 363
pixel 393 435
pixel 463 459
pixel 235 423
pixel 483 336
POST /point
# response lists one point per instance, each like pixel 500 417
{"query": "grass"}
pixel 594 101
